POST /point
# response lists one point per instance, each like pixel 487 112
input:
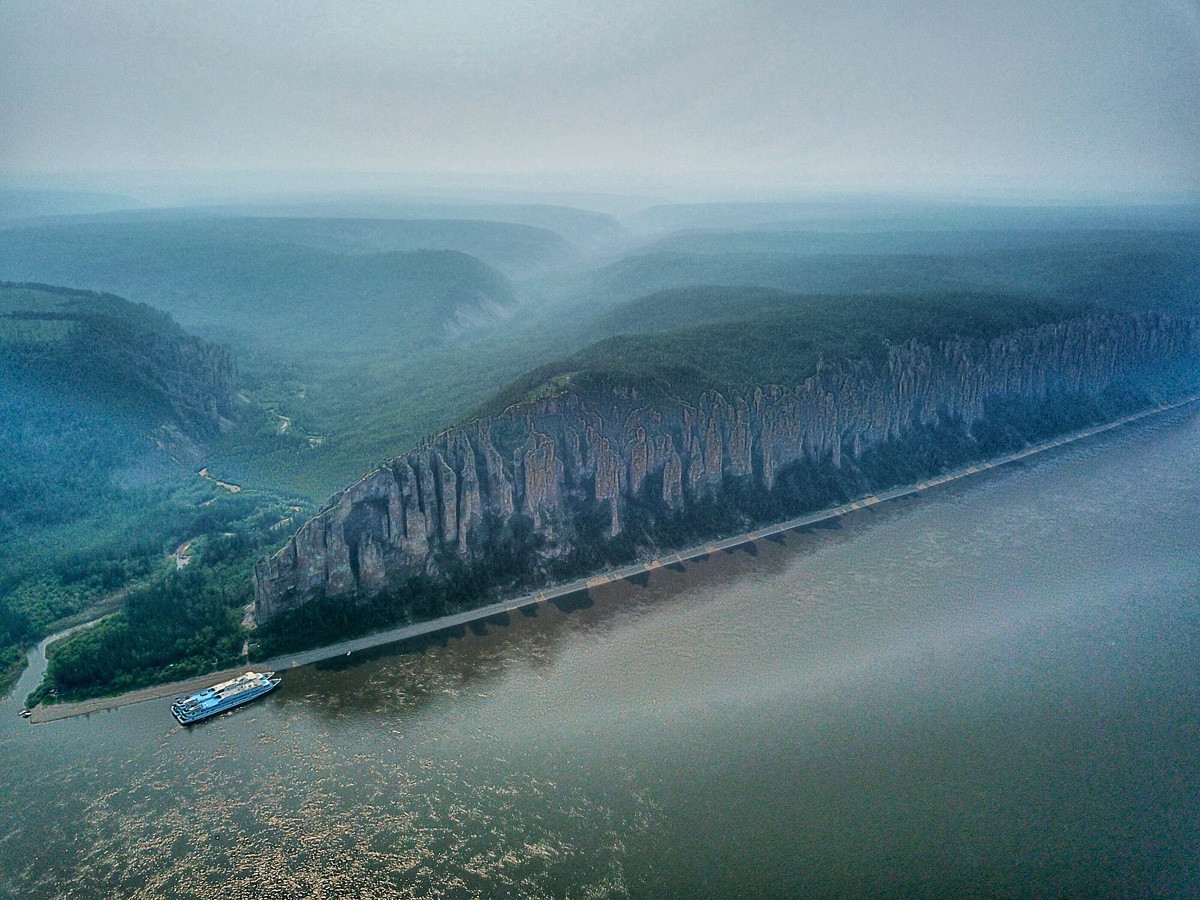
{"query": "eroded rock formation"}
pixel 550 458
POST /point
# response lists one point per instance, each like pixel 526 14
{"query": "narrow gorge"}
pixel 558 461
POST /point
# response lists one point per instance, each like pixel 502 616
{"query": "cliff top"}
pixel 721 338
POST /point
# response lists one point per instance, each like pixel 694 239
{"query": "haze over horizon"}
pixel 1024 99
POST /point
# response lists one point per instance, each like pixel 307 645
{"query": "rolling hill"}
pixel 1130 270
pixel 227 282
pixel 722 338
pixel 106 408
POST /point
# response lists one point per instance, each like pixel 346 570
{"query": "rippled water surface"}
pixel 990 690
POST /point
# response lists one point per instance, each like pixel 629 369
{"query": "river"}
pixel 988 689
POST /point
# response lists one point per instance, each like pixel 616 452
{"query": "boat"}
pixel 223 696
pixel 25 713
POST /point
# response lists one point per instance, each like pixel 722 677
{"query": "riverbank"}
pixel 10 674
pixel 55 711
pixel 62 628
pixel 394 635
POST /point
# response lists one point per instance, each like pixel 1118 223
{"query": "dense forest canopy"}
pixel 696 339
pixel 362 328
pixel 105 410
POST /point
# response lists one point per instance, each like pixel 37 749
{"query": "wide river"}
pixel 992 689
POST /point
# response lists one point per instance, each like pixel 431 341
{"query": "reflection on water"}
pixel 988 690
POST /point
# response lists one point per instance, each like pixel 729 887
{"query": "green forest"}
pixel 691 340
pixel 358 336
pixel 172 625
pixel 98 483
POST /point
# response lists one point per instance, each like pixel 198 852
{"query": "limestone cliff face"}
pixel 548 459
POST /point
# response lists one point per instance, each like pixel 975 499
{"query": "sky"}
pixel 1028 95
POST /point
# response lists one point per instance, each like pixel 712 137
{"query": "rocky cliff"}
pixel 549 459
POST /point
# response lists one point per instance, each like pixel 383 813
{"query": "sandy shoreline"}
pixel 345 648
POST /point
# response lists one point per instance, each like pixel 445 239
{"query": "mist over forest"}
pixel 292 346
pixel 663 448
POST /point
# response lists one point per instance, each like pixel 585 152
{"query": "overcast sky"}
pixel 1033 94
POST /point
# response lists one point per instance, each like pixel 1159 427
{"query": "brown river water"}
pixel 990 689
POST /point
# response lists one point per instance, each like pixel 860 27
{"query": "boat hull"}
pixel 211 702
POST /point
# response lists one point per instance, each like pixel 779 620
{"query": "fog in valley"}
pixel 729 449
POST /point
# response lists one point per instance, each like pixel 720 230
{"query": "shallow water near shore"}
pixel 986 690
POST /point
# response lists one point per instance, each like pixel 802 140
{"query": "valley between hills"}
pixel 518 398
pixel 566 596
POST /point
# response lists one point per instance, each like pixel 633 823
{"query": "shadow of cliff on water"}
pixel 394 681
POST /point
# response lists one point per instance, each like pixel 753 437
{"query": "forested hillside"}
pixel 1132 270
pixel 352 349
pixel 717 338
pixel 106 407
pixel 250 284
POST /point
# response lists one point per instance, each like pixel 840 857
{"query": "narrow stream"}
pixel 35 668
